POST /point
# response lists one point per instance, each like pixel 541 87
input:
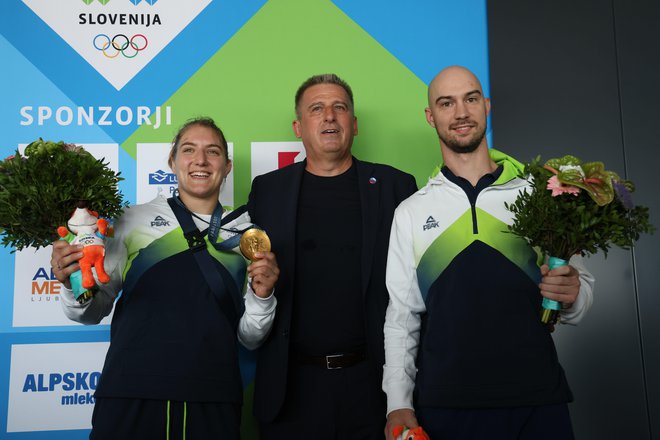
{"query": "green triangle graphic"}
pixel 248 87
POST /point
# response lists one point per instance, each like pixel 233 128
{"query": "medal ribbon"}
pixel 215 226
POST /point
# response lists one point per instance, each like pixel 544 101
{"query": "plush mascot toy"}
pixel 401 432
pixel 90 231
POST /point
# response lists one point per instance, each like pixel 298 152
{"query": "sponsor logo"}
pixel 45 286
pixel 430 224
pixel 82 383
pixel 54 379
pixel 101 115
pixel 161 177
pixel 286 158
pixel 159 221
pixel 269 156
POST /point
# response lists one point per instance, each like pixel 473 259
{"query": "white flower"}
pixel 578 168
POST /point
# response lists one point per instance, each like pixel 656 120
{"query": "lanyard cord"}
pixel 215 226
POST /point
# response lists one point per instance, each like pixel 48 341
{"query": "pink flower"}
pixel 559 188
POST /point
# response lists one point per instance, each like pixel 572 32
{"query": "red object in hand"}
pixel 401 432
pixel 102 225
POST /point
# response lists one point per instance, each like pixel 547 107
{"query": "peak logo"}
pixel 159 221
pixel 117 38
pixel 161 177
pixel 430 224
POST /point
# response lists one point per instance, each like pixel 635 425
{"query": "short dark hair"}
pixel 325 78
pixel 203 121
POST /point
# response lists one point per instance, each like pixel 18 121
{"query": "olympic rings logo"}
pixel 120 43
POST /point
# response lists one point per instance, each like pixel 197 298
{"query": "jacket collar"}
pixel 512 169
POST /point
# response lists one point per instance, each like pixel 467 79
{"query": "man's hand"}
pixel 264 273
pixel 405 417
pixel 560 284
pixel 64 260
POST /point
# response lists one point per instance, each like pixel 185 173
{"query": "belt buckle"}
pixel 329 358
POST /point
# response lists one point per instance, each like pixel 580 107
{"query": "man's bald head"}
pixel 450 77
pixel 458 110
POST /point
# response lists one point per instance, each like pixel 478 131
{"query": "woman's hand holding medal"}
pixel 263 271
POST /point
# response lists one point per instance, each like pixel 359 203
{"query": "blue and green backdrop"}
pixel 120 76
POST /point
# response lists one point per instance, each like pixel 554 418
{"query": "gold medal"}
pixel 252 241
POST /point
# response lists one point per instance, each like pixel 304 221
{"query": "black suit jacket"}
pixel 273 205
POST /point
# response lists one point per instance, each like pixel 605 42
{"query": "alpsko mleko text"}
pixel 83 384
pixel 101 115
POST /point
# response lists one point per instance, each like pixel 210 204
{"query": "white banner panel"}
pixel 51 386
pixel 37 291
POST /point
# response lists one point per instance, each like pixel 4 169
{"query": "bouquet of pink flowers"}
pixel 576 208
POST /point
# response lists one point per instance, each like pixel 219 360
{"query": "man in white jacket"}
pixel 464 345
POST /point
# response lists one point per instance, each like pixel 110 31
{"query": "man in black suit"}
pixel 329 217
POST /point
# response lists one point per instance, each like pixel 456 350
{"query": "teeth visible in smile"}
pixel 199 174
pixel 331 131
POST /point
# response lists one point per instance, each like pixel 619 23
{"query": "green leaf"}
pixel 39 191
pixel 564 225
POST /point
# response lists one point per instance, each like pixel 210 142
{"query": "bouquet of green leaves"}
pixel 40 189
pixel 576 208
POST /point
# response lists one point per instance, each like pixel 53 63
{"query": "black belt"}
pixel 331 361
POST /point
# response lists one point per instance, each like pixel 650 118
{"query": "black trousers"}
pixel 547 422
pixel 133 419
pixel 324 404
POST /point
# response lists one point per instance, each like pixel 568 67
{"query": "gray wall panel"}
pixel 602 357
pixel 555 80
pixel 638 46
